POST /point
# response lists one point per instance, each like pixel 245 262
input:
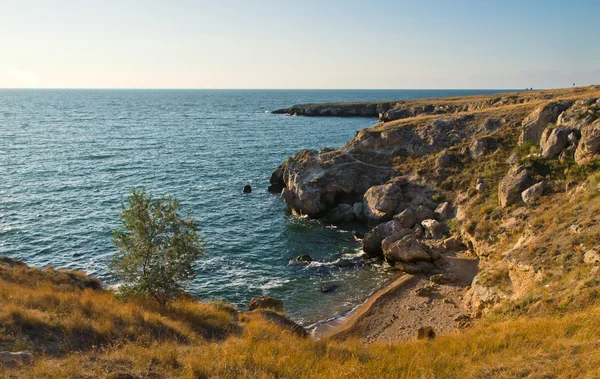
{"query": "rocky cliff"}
pixel 441 176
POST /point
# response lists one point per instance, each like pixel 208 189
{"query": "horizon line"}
pixel 284 89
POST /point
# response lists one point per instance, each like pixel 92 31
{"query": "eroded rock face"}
pixel 538 120
pixel 316 181
pixel 553 141
pixel 516 181
pixel 589 144
pixel 582 113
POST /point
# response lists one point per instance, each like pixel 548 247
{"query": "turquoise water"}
pixel 68 159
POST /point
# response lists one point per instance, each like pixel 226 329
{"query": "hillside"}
pixel 489 211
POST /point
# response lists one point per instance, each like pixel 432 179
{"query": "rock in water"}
pixel 265 302
pixel 328 288
pixel 303 259
pixel 247 188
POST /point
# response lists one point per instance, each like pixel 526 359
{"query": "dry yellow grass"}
pixel 87 333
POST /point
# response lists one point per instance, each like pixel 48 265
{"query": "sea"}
pixel 69 159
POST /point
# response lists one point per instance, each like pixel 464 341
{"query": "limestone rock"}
pixel 589 145
pixel 516 181
pixel 380 202
pixel 482 146
pixel 373 239
pixel 316 181
pixel 406 250
pixel 423 213
pixel 553 141
pixel 265 302
pixel 443 211
pixel 538 120
pixel 454 243
pixel 535 192
pixel 406 218
pixel 409 268
pixel 388 241
pixel 434 229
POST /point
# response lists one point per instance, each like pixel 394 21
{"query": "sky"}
pixel 299 44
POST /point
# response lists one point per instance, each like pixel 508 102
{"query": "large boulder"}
pixel 516 181
pixel 380 202
pixel 534 124
pixel 373 239
pixel 553 141
pixel 388 241
pixel 443 211
pixel 589 144
pixel 407 250
pixel 535 192
pixel 406 218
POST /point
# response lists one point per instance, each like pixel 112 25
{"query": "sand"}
pixel 396 312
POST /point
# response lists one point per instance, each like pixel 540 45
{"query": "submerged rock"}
pixel 247 188
pixel 328 288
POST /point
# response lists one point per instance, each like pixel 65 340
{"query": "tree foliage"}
pixel 157 247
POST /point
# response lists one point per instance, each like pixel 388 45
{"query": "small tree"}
pixel 157 247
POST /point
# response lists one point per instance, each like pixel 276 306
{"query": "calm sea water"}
pixel 68 159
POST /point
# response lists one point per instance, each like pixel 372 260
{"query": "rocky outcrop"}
pixel 338 109
pixel 589 145
pixel 516 181
pixel 538 120
pixel 553 141
pixel 582 113
pixel 314 182
pixel 482 146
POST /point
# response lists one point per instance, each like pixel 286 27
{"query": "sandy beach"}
pixel 397 311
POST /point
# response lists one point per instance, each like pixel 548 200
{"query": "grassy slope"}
pixel 88 333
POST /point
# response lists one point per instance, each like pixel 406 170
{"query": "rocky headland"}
pixel 467 178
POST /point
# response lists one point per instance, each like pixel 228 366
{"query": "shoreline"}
pixel 399 309
pixel 336 324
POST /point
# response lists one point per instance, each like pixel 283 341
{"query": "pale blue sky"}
pixel 298 44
